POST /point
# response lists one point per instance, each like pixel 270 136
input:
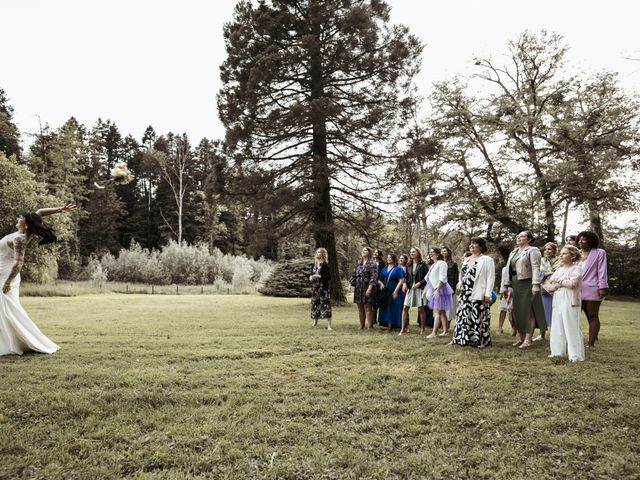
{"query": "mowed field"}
pixel 195 387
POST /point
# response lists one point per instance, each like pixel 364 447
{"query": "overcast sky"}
pixel 155 62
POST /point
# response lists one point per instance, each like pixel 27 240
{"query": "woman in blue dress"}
pixel 391 281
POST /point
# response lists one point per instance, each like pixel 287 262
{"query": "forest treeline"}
pixel 329 143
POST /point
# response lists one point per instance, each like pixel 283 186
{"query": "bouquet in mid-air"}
pixel 120 175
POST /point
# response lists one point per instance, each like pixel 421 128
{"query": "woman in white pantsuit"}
pixel 565 283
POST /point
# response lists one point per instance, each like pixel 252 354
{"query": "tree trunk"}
pixel 323 230
pixel 549 218
pixel 595 219
pixel 565 221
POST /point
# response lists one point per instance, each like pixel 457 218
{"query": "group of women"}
pixel 386 288
pixel 538 291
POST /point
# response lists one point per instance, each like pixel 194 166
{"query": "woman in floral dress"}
pixel 321 288
pixel 364 279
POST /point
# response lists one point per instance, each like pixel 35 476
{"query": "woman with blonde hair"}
pixel 548 264
pixel 566 283
pixel 320 279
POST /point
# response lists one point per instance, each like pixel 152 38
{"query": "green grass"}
pixel 232 387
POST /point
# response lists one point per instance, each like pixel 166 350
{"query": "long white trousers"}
pixel 566 332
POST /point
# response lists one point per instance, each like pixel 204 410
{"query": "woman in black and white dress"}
pixel 473 316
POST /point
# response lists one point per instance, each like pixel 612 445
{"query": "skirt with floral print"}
pixel 320 302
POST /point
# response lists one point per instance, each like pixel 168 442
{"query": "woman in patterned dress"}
pixel 477 279
pixel 364 279
pixel 320 279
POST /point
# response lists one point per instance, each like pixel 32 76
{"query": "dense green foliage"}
pixel 326 145
pixel 195 387
pixel 9 135
pixel 289 279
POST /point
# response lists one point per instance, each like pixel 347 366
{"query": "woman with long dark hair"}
pixel 415 281
pixel 438 292
pixel 595 283
pixel 364 279
pixel 391 281
pixel 18 333
pixel 453 275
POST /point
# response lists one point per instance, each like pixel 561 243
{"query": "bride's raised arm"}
pixel 67 207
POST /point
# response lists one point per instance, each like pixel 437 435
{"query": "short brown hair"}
pixel 481 242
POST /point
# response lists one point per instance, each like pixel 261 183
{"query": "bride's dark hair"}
pixel 35 226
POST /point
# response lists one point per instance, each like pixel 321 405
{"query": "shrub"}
pixel 184 265
pixel 289 279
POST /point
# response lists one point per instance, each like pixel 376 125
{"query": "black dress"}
pixel 472 316
pixel 321 292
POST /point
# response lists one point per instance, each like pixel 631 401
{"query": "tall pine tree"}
pixel 311 90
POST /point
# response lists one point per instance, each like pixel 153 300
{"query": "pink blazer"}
pixel 595 274
pixel 570 278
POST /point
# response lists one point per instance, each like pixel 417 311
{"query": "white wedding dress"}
pixel 17 332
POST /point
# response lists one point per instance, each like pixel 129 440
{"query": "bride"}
pixel 17 331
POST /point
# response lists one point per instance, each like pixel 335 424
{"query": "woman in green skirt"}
pixel 524 278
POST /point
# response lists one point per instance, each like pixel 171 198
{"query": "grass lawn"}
pixel 196 386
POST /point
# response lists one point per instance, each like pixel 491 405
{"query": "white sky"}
pixel 155 62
